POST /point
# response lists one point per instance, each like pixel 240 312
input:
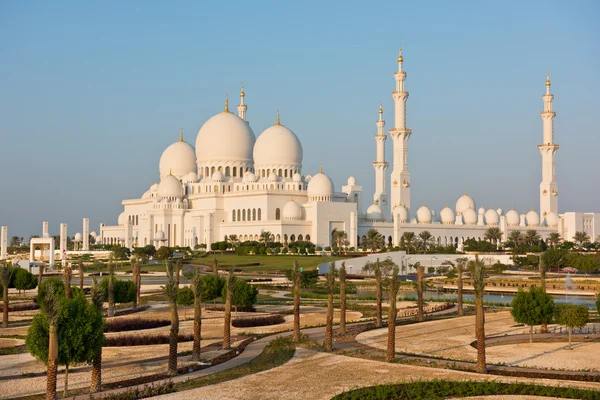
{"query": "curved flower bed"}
pixel 262 320
pixel 134 324
pixel 144 340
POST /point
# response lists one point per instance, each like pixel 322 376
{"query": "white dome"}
pixel 481 210
pixel 78 237
pixel 374 213
pixel 160 235
pixel 292 210
pixel 533 218
pixel 249 177
pixel 178 159
pixel 147 194
pixel 469 216
pixel 154 187
pixel 424 215
pixel 320 185
pixel 492 217
pixel 401 213
pixel 552 219
pixel 277 146
pixel 94 234
pixel 225 137
pixel 170 186
pixel 297 177
pixel 499 211
pixel 447 216
pixel 352 181
pixel 272 177
pixel 190 177
pixel 217 176
pixel 464 203
pixel 121 219
pixel 512 218
pixel 307 178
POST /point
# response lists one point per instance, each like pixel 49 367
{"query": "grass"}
pixel 276 353
pixel 268 264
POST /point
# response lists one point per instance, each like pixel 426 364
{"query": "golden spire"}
pixel 170 171
pixel 380 109
pixel 320 169
pixel 465 193
pixel 226 103
pixel 548 78
pixel 242 94
pixel 278 119
pixel 400 58
pixel 181 135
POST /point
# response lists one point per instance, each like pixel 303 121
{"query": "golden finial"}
pixel 242 94
pixel 465 193
pixel 446 204
pixel 320 169
pixel 278 119
pixel 400 58
pixel 181 135
pixel 548 78
pixel 226 103
pixel 170 171
pixel 380 108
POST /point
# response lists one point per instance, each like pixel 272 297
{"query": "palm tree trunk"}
pixel 111 297
pixel 96 372
pixel 378 322
pixel 227 323
pixel 173 336
pixel 138 283
pixel 81 277
pixel 420 271
pixel 52 364
pixel 329 323
pixel 214 267
pixel 544 327
pixel 197 329
pixel 5 311
pixel 480 335
pixel 460 291
pixel 296 311
pixel 343 305
pixel 391 338
pixel 570 329
pixel 134 277
pixel 66 390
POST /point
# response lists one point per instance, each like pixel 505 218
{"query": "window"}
pixel 277 214
pixel 259 214
pixel 227 171
pixel 234 171
pixel 254 214
pixel 233 216
pixel 216 188
pixel 238 215
pixel 243 215
pixel 293 238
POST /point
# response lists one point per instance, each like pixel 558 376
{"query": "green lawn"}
pixel 266 263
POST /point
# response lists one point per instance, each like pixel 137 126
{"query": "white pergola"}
pixel 42 243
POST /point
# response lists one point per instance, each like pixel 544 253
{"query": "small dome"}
pixel 170 186
pixel 190 178
pixel 352 181
pixel 481 210
pixel 374 213
pixel 292 211
pixel 512 218
pixel 320 186
pixel 424 215
pixel 401 214
pixel 447 216
pixel 492 217
pixel 178 159
pixel 469 216
pixel 147 194
pixel 464 203
pixel 78 237
pixel 552 219
pixel 297 177
pixel 277 146
pixel 499 211
pixel 122 218
pixel 533 218
pixel 249 177
pixel 217 176
pixel 94 234
pixel 154 187
pixel 307 178
pixel 160 235
pixel 272 177
pixel 225 137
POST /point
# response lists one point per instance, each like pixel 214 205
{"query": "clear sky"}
pixel 91 93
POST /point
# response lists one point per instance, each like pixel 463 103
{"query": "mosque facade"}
pixel 233 183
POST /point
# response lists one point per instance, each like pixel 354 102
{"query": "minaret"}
pixel 400 134
pixel 548 187
pixel 380 165
pixel 242 107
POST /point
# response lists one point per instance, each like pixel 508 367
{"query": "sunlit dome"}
pixel 78 237
pixel 447 216
pixel 292 211
pixel 533 218
pixel 552 219
pixel 374 213
pixel 278 146
pixel 320 187
pixel 464 203
pixel 225 137
pixel 401 214
pixel 424 215
pixel 352 181
pixel 512 218
pixel 469 216
pixel 170 186
pixel 178 159
pixel 492 217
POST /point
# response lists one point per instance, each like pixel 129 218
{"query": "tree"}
pixel 215 266
pixel 551 259
pixel 41 268
pixel 228 290
pixel 79 331
pixel 5 272
pixel 55 284
pixel 171 289
pixel 24 280
pixel 81 271
pixel 374 240
pixel 532 237
pixel 553 239
pixel 420 272
pixel 493 234
pixel 111 288
pixel 266 237
pixel 233 239
pixel 571 316
pixel 461 263
pixel 212 287
pixel 425 237
pixel 581 238
pixel 342 277
pixel 515 237
pixel 48 350
pixel 296 279
pixel 533 307
pixel 375 268
pixel 185 297
pixel 15 241
pixel 408 241
pixel 136 267
pixel 164 253
pixel 244 294
pixel 330 285
pixel 68 274
pixel 97 298
pixel 121 253
pixel 123 291
pixel 197 289
pixel 392 313
pixel 478 268
pixel 340 239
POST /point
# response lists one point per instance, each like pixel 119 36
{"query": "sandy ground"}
pixel 452 338
pixel 303 378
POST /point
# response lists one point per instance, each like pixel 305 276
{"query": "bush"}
pixel 124 290
pixel 24 280
pixel 221 307
pixel 328 248
pixel 284 250
pixel 57 283
pixel 137 393
pixel 244 294
pixel 133 324
pixel 144 340
pixel 263 320
pixel 185 296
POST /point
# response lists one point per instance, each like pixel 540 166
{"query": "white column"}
pixel 380 165
pixel 62 244
pixel 400 192
pixel 128 234
pixel 45 229
pixel 86 234
pixel 242 107
pixel 353 229
pixel 548 149
pixel 51 258
pixel 3 242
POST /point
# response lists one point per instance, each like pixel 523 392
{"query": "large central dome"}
pixel 224 138
pixel 278 146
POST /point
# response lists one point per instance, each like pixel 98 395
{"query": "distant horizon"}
pixel 93 95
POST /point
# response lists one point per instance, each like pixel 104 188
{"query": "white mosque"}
pixel 232 183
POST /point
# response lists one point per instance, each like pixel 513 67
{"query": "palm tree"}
pixel 340 239
pixel 5 279
pixel 135 273
pixel 171 289
pixel 581 238
pixel 51 312
pixel 516 237
pixel 68 273
pixel 425 238
pixel 196 286
pixel 330 283
pixel 408 240
pixel 178 266
pixel 233 239
pixel 478 269
pixel 554 239
pixel 374 240
pixel 41 268
pixel 342 276
pixel 392 313
pixel 376 269
pixel 420 272
pixel 532 237
pixel 461 262
pixel 296 279
pixel 265 237
pixel 229 282
pixel 98 300
pixel 493 235
pixel 111 288
pixel 81 271
pixel 215 266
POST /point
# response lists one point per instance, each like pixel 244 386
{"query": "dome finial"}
pixel 320 169
pixel 465 193
pixel 226 109
pixel 380 110
pixel 278 119
pixel 400 58
pixel 548 78
pixel 171 172
pixel 181 135
pixel 242 94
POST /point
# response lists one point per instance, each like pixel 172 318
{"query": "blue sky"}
pixel 92 93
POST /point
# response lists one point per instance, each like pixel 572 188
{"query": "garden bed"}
pixel 21 306
pixel 262 320
pixel 144 340
pixel 134 324
pixel 222 308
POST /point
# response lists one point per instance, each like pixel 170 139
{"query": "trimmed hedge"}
pixel 262 320
pixel 438 389
pixel 137 393
pixel 144 340
pixel 222 308
pixel 22 306
pixel 134 324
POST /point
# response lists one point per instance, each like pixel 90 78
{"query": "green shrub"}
pixel 124 290
pixel 24 280
pixel 57 283
pixel 185 296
